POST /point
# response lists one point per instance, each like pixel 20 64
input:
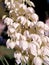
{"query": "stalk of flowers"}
pixel 27 33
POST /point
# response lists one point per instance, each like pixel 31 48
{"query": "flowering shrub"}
pixel 27 33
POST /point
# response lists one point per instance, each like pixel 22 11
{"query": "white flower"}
pixel 37 44
pixel 28 22
pixel 12 6
pixel 8 21
pixel 39 52
pixel 31 24
pixel 45 51
pixel 17 35
pixel 33 49
pixel 12 30
pixel 23 6
pixel 46 60
pixel 37 61
pixel 23 37
pixel 34 17
pixel 4 16
pixel 8 6
pixel 18 57
pixel 10 11
pixel 40 32
pixel 36 38
pixel 11 35
pixel 17 42
pixel 10 44
pixel 22 19
pixel 40 24
pixel 23 44
pixel 12 1
pixel 16 10
pixel 6 1
pixel 15 25
pixel 30 9
pixel 45 40
pixel 40 28
pixel 26 33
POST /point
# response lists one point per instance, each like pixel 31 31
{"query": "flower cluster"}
pixel 27 34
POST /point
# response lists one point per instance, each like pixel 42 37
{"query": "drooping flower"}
pixel 29 36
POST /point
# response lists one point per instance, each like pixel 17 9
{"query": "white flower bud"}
pixel 6 1
pixel 11 30
pixel 36 38
pixel 40 25
pixel 37 44
pixel 28 22
pixel 15 25
pixel 31 24
pixel 18 57
pixel 24 44
pixel 8 21
pixel 40 32
pixel 39 52
pixel 4 17
pixel 33 49
pixel 10 44
pixel 17 42
pixel 37 48
pixel 22 20
pixel 26 33
pixel 17 35
pixel 23 6
pixel 30 9
pixel 45 40
pixel 8 6
pixel 12 1
pixel 45 51
pixel 23 37
pixel 37 61
pixel 46 60
pixel 34 17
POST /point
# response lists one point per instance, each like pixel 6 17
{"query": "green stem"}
pixel 2 61
pixel 6 61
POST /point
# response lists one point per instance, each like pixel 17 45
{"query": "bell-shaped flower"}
pixel 8 21
pixel 33 49
pixel 18 57
pixel 37 61
pixel 10 44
